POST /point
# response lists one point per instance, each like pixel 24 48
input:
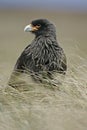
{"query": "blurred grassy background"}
pixel 42 108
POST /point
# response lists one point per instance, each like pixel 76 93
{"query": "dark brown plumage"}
pixel 44 53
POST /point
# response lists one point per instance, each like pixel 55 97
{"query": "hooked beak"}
pixel 28 28
pixel 31 28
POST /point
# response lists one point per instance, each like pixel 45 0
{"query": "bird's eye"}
pixel 39 25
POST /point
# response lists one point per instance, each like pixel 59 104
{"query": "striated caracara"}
pixel 44 54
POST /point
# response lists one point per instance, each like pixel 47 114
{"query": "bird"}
pixel 44 54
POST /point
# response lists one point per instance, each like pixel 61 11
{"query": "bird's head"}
pixel 40 27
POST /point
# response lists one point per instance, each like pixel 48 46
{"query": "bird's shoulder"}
pixel 40 43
